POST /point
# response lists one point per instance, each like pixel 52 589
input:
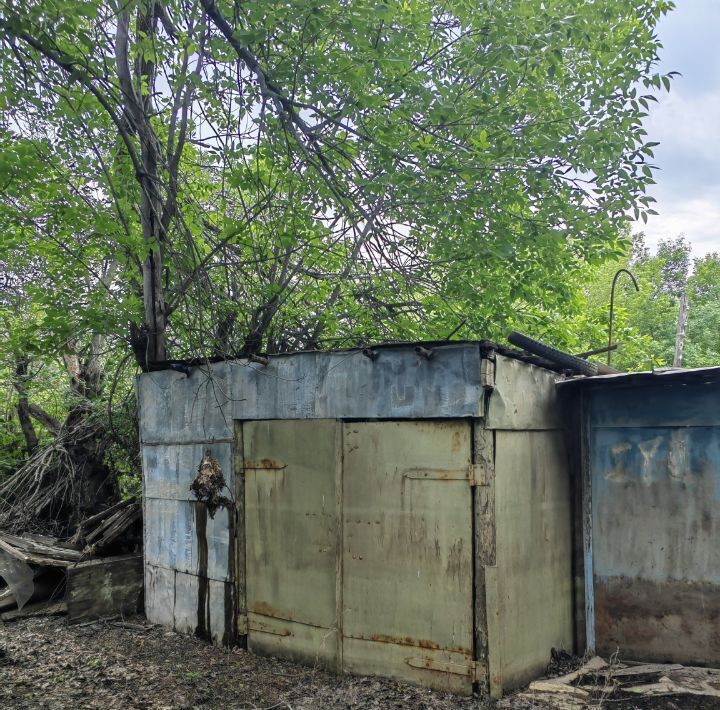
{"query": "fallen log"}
pixel 43 549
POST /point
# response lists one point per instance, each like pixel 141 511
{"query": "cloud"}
pixel 687 123
pixel 697 218
pixel 689 150
pixel 688 189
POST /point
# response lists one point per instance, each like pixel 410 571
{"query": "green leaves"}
pixel 359 171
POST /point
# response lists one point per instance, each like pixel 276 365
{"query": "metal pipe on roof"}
pixel 612 307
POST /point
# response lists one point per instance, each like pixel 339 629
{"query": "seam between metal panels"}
pixel 189 442
pixel 182 571
pixel 287 621
pixel 587 528
pixel 475 555
pixel 340 539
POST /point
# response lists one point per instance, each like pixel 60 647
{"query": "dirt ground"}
pixel 129 664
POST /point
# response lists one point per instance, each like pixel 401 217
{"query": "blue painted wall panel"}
pixel 656 503
pixel 675 404
pixel 654 456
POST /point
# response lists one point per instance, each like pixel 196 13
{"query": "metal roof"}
pixel 486 347
pixel 654 377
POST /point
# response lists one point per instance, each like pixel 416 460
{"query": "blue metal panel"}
pixel 676 404
pixel 168 470
pixel 175 409
pixel 655 484
pixel 656 510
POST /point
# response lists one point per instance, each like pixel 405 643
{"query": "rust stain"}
pixel 265 609
pixel 409 641
pixel 432 664
pixel 264 464
pixel 456 442
pixel 674 621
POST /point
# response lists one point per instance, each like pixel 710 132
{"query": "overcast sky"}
pixel 687 124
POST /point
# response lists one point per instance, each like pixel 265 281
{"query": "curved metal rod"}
pixel 612 307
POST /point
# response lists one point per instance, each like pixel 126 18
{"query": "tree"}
pixel 429 163
pixel 702 341
pixel 645 321
pixel 209 178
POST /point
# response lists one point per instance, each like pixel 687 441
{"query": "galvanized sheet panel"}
pixel 397 384
pixel 203 608
pixel 659 487
pixel 407 552
pixel 313 645
pixel 530 589
pixel 174 408
pixel 431 667
pixel 159 595
pixel 172 538
pixel 523 397
pixel 292 532
pixel 169 470
pixel 185 608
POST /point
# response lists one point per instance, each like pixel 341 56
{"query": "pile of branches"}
pixel 49 492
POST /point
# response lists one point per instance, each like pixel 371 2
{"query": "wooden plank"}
pixel 33 558
pixel 88 522
pixel 40 548
pixel 13 551
pixel 484 552
pixel 47 608
pixel 238 574
pixel 552 686
pixel 103 587
pixel 644 669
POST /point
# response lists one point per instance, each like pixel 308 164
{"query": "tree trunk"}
pixel 23 406
pixel 680 334
pixel 138 106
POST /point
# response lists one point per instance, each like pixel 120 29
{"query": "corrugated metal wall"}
pixel 188 555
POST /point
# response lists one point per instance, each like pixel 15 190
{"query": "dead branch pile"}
pixel 102 529
pixel 597 682
pixel 36 567
pixel 51 491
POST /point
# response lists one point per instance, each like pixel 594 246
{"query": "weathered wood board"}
pixel 102 587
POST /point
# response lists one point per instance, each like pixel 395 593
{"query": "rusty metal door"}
pixel 407 587
pixel 292 544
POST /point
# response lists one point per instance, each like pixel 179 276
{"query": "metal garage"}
pixel 401 511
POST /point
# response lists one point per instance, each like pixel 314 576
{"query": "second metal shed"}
pixel 651 514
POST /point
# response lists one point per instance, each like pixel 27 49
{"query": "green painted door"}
pixel 407 587
pixel 394 576
pixel 292 544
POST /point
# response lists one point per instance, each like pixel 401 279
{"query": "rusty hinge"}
pixel 476 474
pixel 474 670
pixel 264 465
